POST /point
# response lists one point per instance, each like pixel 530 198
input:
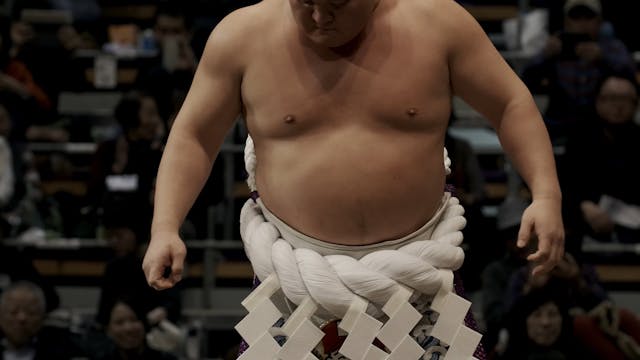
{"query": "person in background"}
pixel 607 330
pixel 126 334
pixel 123 276
pixel 541 328
pixel 14 74
pixel 16 267
pixel 598 170
pixel 19 86
pixel 170 79
pixel 22 332
pixel 573 63
pixel 124 167
pixel 497 274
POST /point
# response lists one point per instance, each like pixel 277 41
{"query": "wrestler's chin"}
pixel 327 38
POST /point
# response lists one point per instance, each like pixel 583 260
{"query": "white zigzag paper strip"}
pixel 303 335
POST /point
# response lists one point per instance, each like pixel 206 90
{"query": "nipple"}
pixel 289 119
pixel 412 112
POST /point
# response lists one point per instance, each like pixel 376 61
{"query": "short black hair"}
pixel 127 112
pixel 625 75
pixel 135 303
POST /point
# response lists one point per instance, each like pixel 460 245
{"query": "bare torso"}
pixel 350 147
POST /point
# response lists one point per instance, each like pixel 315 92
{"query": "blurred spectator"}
pixel 124 229
pixel 497 274
pixel 580 283
pixel 598 171
pixel 11 189
pixel 171 78
pixel 42 46
pixel 540 327
pixel 19 86
pixel 15 77
pixel 126 330
pixel 24 336
pixel 16 267
pixel 26 212
pixel 573 62
pixel 125 167
pixel 607 331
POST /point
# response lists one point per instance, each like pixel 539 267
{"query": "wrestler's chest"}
pixel 284 97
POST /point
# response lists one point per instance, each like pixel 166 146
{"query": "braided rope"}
pixel 334 281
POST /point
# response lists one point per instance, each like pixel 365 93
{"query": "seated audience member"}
pixel 23 336
pixel 497 274
pixel 10 174
pixel 606 330
pixel 19 85
pixel 580 283
pixel 16 268
pixel 14 265
pixel 126 333
pixel 14 74
pixel 171 77
pixel 572 63
pixel 123 274
pixel 24 209
pixel 540 327
pixel 598 172
pixel 126 166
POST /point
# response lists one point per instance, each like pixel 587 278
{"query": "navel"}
pixel 289 119
pixel 412 112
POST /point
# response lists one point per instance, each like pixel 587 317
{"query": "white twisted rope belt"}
pixel 338 286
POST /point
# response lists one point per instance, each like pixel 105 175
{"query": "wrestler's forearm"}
pixel 183 171
pixel 525 140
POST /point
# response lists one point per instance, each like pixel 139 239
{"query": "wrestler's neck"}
pixel 351 46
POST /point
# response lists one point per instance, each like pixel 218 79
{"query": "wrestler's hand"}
pixel 543 219
pixel 166 251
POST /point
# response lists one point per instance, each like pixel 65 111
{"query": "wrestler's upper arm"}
pixel 479 73
pixel 214 100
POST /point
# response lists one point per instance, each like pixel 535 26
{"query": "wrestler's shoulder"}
pixel 443 13
pixel 233 36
